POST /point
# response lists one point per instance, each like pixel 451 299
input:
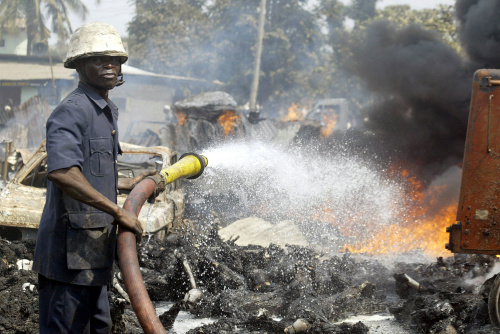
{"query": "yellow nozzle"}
pixel 190 166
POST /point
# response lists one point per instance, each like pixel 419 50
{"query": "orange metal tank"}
pixel 478 216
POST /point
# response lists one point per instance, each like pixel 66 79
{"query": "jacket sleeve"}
pixel 66 129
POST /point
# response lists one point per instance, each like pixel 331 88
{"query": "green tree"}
pixel 37 13
pixel 215 40
pixel 339 80
pixel 440 18
pixel 306 43
pixel 164 36
pixel 362 10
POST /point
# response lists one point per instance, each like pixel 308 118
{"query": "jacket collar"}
pixel 98 100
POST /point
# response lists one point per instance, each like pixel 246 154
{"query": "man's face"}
pixel 100 72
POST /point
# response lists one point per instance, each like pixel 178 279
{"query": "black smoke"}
pixel 422 86
pixel 479 31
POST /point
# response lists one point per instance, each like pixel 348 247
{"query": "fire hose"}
pixel 189 166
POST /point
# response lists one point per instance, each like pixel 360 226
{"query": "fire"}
pixel 423 229
pixel 329 124
pixel 227 120
pixel 181 118
pixel 428 235
pixel 293 114
pixel 415 187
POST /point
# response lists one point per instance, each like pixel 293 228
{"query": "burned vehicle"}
pixel 23 198
pixel 336 113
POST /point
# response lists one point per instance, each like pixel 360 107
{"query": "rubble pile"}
pixel 18 288
pixel 445 297
pixel 192 124
pixel 211 118
pixel 248 288
pixel 274 289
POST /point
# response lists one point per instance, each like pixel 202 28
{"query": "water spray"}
pixel 333 196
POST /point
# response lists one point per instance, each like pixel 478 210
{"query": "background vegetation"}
pixel 307 44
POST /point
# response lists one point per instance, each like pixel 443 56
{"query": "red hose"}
pixel 129 263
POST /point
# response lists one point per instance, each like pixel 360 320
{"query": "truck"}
pixel 337 110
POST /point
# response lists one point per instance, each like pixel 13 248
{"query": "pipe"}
pixel 187 268
pixel 8 151
pixel 189 166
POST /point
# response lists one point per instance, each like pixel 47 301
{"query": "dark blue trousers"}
pixel 69 308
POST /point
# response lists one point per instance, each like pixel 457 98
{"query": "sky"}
pixel 119 13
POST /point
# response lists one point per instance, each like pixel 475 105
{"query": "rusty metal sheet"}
pixel 478 208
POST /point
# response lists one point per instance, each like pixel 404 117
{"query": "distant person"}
pixel 76 243
pixel 8 107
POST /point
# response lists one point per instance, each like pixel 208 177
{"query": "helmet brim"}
pixel 71 62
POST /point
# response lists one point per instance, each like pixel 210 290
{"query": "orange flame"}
pixel 428 235
pixel 330 121
pixel 181 118
pixel 424 229
pixel 293 114
pixel 227 120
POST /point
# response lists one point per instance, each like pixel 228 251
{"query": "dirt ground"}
pixel 257 289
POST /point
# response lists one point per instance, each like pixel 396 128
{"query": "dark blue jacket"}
pixel 76 243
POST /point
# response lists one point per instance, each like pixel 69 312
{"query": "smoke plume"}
pixel 479 31
pixel 422 85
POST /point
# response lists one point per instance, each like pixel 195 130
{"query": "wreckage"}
pixel 268 288
pixel 476 231
pixel 23 198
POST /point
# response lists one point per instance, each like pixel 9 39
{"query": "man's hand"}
pixel 130 222
pixel 129 183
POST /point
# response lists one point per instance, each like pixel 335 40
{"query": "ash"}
pixel 274 289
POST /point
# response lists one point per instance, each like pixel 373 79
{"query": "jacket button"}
pixel 113 132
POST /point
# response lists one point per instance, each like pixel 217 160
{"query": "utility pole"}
pixel 256 69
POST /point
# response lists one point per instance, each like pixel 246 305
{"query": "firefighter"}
pixel 76 242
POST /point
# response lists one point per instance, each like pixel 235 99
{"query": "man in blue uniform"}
pixel 76 241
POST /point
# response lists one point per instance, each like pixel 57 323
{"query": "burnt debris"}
pixel 292 289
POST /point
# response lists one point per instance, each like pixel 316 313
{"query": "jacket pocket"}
pixel 101 156
pixel 90 240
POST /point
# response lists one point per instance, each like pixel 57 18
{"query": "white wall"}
pixel 14 44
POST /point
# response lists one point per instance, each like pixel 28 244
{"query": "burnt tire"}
pixel 494 302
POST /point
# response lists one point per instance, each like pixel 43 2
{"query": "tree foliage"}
pixel 215 40
pixel 440 19
pixel 305 44
pixel 38 14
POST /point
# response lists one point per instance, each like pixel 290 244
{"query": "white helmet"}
pixel 95 39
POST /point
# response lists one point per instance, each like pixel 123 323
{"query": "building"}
pixel 22 77
pixel 142 99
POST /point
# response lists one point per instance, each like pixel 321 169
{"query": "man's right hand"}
pixel 72 182
pixel 129 221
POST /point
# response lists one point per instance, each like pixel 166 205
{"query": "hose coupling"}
pixel 161 184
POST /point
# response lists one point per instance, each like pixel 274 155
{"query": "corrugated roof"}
pixel 21 71
pixel 15 71
pixel 130 70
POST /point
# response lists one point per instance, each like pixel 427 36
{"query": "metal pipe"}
pixel 258 55
pixel 185 263
pixel 8 151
